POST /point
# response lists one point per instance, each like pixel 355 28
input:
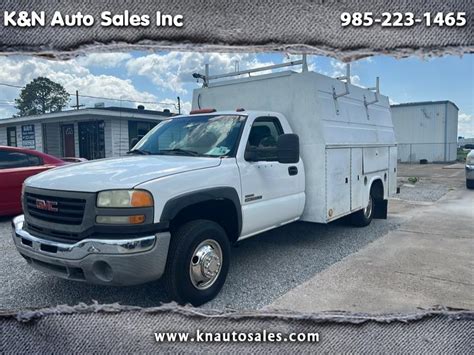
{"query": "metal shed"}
pixel 91 133
pixel 426 130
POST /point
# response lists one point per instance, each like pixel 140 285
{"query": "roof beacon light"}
pixel 240 109
pixel 202 110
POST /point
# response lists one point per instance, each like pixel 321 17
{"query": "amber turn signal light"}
pixel 141 199
pixel 138 219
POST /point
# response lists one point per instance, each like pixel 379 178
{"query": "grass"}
pixel 413 179
pixel 462 155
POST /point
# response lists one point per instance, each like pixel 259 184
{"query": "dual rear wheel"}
pixel 364 216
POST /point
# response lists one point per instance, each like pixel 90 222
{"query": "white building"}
pixel 91 133
pixel 426 130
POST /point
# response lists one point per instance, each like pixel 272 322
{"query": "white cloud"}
pixel 466 125
pixel 73 76
pixel 171 71
pixel 103 60
pixel 339 69
pixel 366 60
pixel 174 70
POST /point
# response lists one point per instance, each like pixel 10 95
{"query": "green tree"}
pixel 41 96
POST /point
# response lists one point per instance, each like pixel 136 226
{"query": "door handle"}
pixel 293 170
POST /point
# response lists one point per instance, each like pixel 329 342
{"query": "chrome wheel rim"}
pixel 368 209
pixel 206 264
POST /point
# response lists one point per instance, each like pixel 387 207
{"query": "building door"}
pixel 67 133
pixel 11 136
pixel 91 140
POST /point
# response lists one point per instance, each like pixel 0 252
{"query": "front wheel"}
pixel 198 262
pixel 363 217
pixel 470 184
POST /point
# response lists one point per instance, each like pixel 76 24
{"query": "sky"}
pixel 155 79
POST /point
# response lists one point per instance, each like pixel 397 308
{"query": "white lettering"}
pixel 178 21
pixel 77 19
pixel 39 19
pixel 163 20
pixel 8 18
pixel 124 20
pixel 57 19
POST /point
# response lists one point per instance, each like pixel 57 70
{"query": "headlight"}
pixel 124 199
pixel 470 159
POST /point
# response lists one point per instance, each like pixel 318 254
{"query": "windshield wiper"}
pixel 138 151
pixel 180 151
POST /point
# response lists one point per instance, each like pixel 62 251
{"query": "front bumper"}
pixel 98 261
pixel 469 172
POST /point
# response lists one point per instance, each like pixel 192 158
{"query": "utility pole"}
pixel 77 106
pixel 179 106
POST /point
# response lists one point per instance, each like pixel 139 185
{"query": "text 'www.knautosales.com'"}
pixel 235 337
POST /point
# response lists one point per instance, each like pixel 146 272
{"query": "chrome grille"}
pixel 66 210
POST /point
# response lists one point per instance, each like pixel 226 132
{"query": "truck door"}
pixel 272 193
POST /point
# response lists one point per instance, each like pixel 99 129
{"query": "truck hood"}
pixel 117 173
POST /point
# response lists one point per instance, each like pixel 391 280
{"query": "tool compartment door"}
pixel 357 180
pixel 392 171
pixel 338 184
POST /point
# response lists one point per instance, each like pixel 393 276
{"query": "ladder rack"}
pixel 206 78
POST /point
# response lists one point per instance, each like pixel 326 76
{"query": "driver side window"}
pixel 263 138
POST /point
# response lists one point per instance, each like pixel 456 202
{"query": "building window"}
pixel 137 130
pixel 11 136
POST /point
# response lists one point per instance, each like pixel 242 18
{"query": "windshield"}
pixel 210 135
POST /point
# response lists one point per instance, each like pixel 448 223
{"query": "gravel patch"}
pixel 422 191
pixel 262 269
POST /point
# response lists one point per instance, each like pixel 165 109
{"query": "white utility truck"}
pixel 254 154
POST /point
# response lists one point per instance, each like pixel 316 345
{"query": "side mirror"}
pixel 134 142
pixel 288 149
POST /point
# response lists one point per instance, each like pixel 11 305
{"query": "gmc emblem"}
pixel 46 205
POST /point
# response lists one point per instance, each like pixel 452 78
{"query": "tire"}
pixel 470 184
pixel 364 216
pixel 191 246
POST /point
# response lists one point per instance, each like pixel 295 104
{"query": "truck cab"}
pixel 198 183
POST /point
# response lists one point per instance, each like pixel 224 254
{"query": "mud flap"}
pixel 381 208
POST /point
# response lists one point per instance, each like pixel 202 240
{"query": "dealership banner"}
pixel 346 29
pixel 184 127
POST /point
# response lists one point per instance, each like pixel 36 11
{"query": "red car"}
pixel 16 164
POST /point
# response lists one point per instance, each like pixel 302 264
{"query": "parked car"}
pixel 17 164
pixel 198 183
pixel 470 170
